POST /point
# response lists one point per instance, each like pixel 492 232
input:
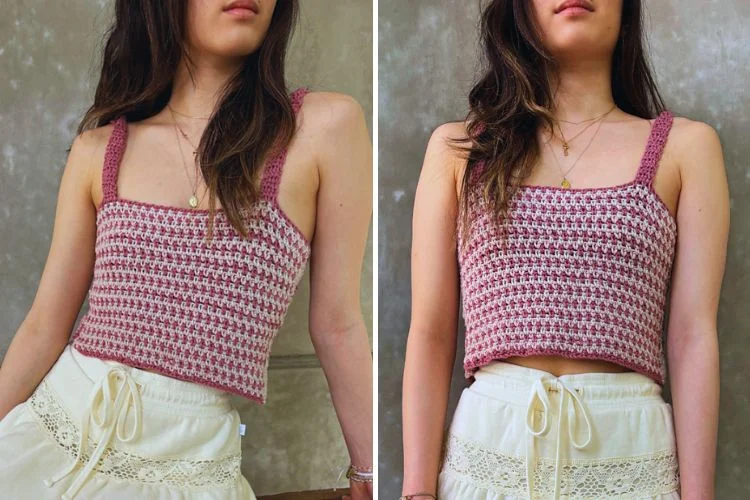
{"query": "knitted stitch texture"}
pixel 164 299
pixel 584 274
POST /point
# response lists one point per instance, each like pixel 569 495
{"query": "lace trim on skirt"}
pixel 645 475
pixel 192 473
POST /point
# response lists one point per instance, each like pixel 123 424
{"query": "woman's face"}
pixel 230 28
pixel 578 28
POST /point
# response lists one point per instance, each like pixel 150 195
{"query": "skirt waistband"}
pixel 115 395
pixel 511 381
pixel 551 400
pixel 179 395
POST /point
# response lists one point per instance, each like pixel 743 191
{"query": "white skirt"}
pixel 144 435
pixel 507 440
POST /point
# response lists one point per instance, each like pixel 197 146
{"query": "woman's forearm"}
pixel 30 356
pixel 426 385
pixel 347 363
pixel 694 382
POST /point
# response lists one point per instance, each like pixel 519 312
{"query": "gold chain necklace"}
pixel 189 116
pixel 566 142
pixel 193 201
pixel 565 183
pixel 578 123
pixel 195 148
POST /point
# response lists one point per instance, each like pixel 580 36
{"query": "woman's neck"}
pixel 582 90
pixel 198 97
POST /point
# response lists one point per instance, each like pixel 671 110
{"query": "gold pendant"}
pixel 565 183
pixel 565 148
pixel 193 201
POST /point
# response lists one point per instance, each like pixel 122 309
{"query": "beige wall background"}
pixel 48 67
pixel 427 65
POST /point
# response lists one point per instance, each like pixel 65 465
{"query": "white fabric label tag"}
pixel 242 429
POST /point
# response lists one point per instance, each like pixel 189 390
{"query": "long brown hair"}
pixel 513 97
pixel 253 117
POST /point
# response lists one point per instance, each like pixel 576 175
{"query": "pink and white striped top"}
pixel 584 275
pixel 164 299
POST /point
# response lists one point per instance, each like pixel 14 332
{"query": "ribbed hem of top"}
pixel 258 398
pixel 471 365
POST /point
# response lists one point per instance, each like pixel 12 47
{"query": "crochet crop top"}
pixel 165 300
pixel 584 274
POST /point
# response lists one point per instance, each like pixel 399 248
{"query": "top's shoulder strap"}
pixel 273 170
pixel 112 157
pixel 654 147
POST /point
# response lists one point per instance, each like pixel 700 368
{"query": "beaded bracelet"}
pixel 362 475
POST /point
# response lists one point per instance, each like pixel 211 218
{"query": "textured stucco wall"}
pixel 48 64
pixel 427 64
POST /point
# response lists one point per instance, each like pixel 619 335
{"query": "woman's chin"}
pixel 234 51
pixel 579 47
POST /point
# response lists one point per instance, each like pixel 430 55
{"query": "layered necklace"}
pixel 566 142
pixel 193 201
pixel 565 183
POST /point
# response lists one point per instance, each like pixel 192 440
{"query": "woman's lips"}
pixel 242 9
pixel 574 11
pixel 241 12
pixel 574 7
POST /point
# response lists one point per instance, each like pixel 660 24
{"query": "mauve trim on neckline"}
pixel 203 212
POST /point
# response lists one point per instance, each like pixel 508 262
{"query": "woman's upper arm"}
pixel 434 265
pixel 68 269
pixel 344 209
pixel 703 228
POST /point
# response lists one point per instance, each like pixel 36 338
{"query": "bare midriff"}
pixel 558 365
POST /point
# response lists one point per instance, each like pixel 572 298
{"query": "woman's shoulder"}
pixel 85 158
pixel 691 142
pixel 687 130
pixel 93 139
pixel 88 147
pixel 327 120
pixel 447 147
pixel 445 155
pixel 331 109
pixel 449 133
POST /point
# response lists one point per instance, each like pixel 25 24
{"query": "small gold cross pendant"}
pixel 565 148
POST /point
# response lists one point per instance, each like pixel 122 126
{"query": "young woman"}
pixel 555 209
pixel 193 196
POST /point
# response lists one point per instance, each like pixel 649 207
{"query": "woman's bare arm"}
pixel 431 344
pixel 67 273
pixel 692 345
pixel 344 209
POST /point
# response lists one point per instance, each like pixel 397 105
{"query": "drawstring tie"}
pixel 111 416
pixel 539 392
